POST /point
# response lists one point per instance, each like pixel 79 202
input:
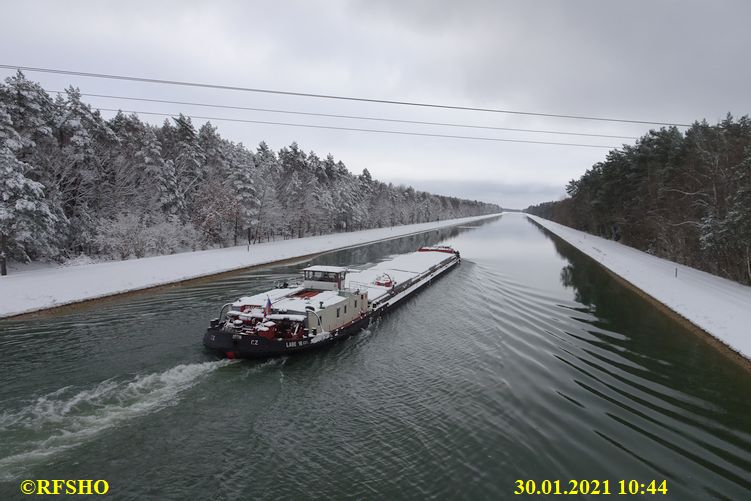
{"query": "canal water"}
pixel 526 362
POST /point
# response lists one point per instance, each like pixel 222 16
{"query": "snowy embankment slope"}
pixel 719 306
pixel 40 289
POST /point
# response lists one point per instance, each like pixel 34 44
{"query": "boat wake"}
pixel 68 417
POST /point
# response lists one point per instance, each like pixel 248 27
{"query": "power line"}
pixel 323 96
pixel 376 131
pixel 352 117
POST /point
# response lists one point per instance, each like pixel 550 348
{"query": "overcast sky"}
pixel 673 61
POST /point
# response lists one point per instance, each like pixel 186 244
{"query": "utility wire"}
pixel 323 96
pixel 377 131
pixel 351 117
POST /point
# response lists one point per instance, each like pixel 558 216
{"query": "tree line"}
pixel 73 183
pixel 684 196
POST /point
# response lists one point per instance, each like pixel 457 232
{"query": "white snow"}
pixel 34 290
pixel 719 306
pixel 399 268
pixel 296 304
pixel 329 269
pixel 259 300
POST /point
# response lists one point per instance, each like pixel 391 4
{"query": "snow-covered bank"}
pixel 40 289
pixel 718 306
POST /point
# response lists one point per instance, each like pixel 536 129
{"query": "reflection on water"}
pixel 674 388
pixel 528 361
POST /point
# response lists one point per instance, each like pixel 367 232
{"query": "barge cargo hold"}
pixel 331 303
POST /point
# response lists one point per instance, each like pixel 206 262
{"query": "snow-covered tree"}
pixel 241 186
pixel 156 183
pixel 26 222
pixel 270 217
pixel 189 160
pixel 31 111
pixel 215 209
pixel 215 150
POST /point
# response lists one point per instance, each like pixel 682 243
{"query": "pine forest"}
pixel 683 196
pixel 75 184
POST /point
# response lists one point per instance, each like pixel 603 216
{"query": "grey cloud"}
pixel 666 60
pixel 642 59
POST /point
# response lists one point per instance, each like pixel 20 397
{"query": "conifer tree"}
pixel 26 222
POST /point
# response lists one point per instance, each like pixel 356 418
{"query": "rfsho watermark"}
pixel 69 487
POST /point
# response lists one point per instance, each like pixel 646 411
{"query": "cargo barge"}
pixel 331 303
